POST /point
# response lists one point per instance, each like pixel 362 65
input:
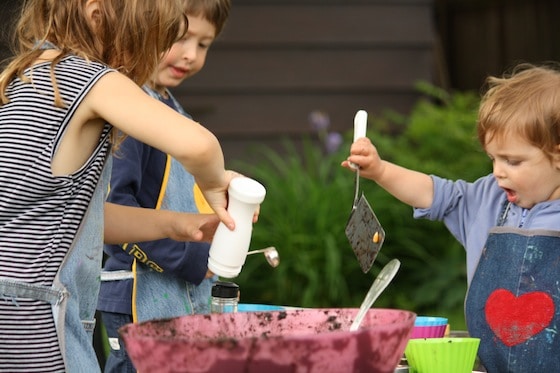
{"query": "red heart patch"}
pixel 516 319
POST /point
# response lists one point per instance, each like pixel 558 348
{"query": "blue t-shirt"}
pixel 470 210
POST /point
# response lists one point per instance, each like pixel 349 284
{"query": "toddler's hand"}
pixel 364 154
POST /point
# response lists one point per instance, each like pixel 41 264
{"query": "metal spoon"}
pixel 271 255
pixel 379 284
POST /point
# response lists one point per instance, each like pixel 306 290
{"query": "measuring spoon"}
pixel 379 284
pixel 271 255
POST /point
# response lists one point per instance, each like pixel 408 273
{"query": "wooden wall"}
pixel 8 9
pixel 277 61
pixel 482 37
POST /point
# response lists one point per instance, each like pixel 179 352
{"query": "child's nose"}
pixel 498 171
pixel 189 52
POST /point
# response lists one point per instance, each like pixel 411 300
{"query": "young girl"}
pixel 60 98
pixel 508 221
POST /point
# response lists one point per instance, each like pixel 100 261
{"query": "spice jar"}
pixel 225 297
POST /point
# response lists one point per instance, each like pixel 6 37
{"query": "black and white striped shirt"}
pixel 40 213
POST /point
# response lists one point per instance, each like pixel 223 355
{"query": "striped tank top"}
pixel 40 214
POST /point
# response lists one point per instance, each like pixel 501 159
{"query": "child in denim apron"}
pixel 61 102
pixel 508 221
pixel 162 278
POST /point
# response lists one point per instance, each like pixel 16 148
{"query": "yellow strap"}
pixel 164 182
pixel 201 203
pixel 134 283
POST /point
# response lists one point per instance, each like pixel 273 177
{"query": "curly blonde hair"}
pixel 525 103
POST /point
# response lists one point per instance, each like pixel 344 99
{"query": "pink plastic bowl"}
pixel 436 331
pixel 306 340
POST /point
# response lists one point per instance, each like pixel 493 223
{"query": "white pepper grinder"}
pixel 229 248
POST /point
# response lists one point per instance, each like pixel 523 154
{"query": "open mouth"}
pixel 511 195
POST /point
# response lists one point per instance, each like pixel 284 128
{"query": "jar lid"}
pixel 223 289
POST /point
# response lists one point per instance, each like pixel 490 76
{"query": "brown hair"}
pixel 128 35
pixel 525 103
pixel 214 11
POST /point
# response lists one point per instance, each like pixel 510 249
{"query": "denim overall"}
pixel 155 294
pixel 513 301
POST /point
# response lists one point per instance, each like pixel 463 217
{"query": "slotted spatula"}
pixel 364 232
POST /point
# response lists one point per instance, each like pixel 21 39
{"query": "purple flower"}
pixel 319 120
pixel 333 142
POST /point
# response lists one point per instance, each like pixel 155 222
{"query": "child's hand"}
pixel 138 224
pixel 217 199
pixel 364 154
pixel 194 227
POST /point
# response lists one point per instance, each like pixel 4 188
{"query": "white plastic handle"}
pixel 360 124
pixel 360 127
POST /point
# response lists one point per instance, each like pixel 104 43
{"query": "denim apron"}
pixel 80 271
pixel 513 302
pixel 155 294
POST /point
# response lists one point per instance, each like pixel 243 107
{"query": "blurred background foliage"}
pixel 309 199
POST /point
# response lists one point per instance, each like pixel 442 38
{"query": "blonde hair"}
pixel 128 35
pixel 524 103
pixel 214 11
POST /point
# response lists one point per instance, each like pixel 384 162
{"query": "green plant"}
pixel 309 199
pixel 305 223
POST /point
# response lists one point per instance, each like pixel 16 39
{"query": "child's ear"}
pixel 92 10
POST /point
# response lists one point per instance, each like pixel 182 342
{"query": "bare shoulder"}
pixel 114 83
pixel 114 94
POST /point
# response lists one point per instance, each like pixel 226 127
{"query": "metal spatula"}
pixel 364 232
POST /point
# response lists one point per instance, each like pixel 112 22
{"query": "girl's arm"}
pixel 119 101
pixel 411 187
pixel 136 224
